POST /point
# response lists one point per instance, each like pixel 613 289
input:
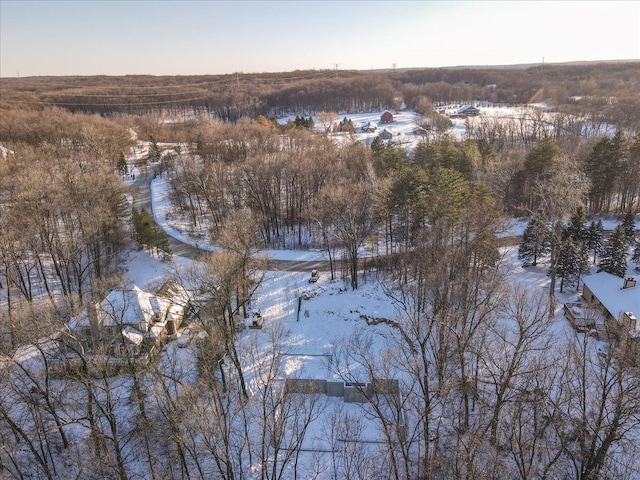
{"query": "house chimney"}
pixel 629 282
pixel 631 322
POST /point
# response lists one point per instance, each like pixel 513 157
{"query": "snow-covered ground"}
pixel 329 310
pixel 179 228
pixel 332 310
pixel 405 122
pixel 402 127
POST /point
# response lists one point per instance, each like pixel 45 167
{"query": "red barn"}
pixel 386 117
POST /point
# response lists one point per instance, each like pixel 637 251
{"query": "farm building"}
pixel 368 128
pixel 468 111
pixel 386 117
pixel 385 135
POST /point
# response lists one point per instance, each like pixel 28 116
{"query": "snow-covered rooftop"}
pixel 130 307
pixel 608 289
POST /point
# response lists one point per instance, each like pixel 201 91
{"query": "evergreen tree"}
pixel 636 253
pixel 595 238
pixel 573 259
pixel 603 169
pixel 629 227
pixel 566 267
pixel 535 240
pixel 539 165
pixel 309 123
pixel 345 125
pixel 141 226
pixel 148 234
pixel 582 262
pixel 578 232
pixel 123 169
pixel 577 228
pixel 154 150
pixel 160 241
pixel 614 255
pixel 390 159
pixel 377 146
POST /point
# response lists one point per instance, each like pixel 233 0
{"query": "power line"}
pixel 132 104
pixel 229 79
pixel 197 95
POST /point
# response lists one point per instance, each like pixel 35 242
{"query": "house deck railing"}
pixel 576 314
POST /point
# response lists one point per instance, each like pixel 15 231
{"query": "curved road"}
pixel 141 193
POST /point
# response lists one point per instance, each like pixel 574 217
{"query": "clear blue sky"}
pixel 210 37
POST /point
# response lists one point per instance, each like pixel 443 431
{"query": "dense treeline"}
pixel 63 212
pixel 606 91
pixel 286 180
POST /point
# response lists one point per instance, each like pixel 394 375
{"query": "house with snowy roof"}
pixel 385 134
pixel 618 298
pixel 127 322
pixel 468 111
pixel 368 128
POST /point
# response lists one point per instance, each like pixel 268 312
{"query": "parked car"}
pixel 315 275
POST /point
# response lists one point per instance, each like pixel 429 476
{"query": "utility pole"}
pixel 336 65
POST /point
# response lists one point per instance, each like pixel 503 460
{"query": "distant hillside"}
pixel 230 97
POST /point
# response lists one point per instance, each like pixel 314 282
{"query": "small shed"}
pixel 385 135
pixel 386 117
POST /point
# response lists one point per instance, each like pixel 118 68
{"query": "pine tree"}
pixel 603 169
pixel 636 253
pixel 377 146
pixel 154 150
pixel 123 169
pixel 595 238
pixel 141 226
pixel 539 165
pixel 614 255
pixel 148 233
pixel 535 240
pixel 578 232
pixel 573 259
pixel 629 227
pixel 577 228
pixel 566 267
pixel 160 241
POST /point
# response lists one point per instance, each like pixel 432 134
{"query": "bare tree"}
pixel 512 347
pixel 601 407
pixel 327 119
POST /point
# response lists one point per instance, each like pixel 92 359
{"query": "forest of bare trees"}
pixel 481 392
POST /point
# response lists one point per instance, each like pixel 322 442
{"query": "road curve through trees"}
pixel 141 193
